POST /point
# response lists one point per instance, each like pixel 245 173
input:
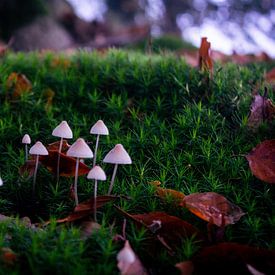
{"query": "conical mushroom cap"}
pixel 99 129
pixel 126 256
pixel 63 130
pixel 26 139
pixel 80 149
pixel 39 149
pixel 97 173
pixel 118 155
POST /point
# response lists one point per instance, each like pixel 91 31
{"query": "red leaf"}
pixel 262 109
pixel 205 61
pixel 213 208
pixel 67 164
pixel 55 146
pixel 169 230
pixel 86 208
pixel 262 161
pixel 232 258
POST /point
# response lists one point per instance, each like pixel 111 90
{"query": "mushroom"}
pixel 63 130
pixel 96 173
pixel 117 155
pixel 26 140
pixel 1 182
pixel 98 129
pixel 37 149
pixel 79 149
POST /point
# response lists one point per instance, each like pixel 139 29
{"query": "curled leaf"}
pixel 213 208
pixel 262 161
pixel 205 61
pixel 164 192
pixel 262 109
pixel 128 262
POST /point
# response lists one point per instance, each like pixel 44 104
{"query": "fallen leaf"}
pixel 169 230
pixel 232 258
pixel 262 109
pixel 128 262
pixel 213 208
pixel 55 146
pixel 49 95
pixel 27 169
pixel 67 164
pixel 165 193
pixel 205 61
pixel 8 257
pixel 262 161
pixel 86 208
pixel 19 83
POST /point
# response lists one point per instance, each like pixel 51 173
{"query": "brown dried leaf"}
pixel 262 161
pixel 128 262
pixel 164 192
pixel 213 208
pixel 205 61
pixel 169 230
pixel 86 208
pixel 233 258
pixel 19 83
pixel 67 164
pixel 55 146
pixel 262 109
pixel 8 257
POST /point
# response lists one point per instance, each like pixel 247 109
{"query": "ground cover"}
pixel 179 126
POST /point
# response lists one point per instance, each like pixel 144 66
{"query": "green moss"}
pixel 178 128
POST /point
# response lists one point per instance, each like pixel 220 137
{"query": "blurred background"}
pixel 232 26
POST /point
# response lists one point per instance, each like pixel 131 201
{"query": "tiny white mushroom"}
pixel 117 155
pixel 1 182
pixel 96 173
pixel 79 149
pixel 126 257
pixel 26 140
pixel 37 149
pixel 63 130
pixel 98 129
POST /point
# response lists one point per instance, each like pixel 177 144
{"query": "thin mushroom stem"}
pixel 35 173
pixel 113 179
pixel 26 151
pixel 75 181
pixel 96 147
pixel 95 200
pixel 58 159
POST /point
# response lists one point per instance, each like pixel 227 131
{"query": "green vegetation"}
pixel 178 127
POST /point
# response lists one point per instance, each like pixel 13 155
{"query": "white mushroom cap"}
pixel 80 149
pixel 125 258
pixel 63 130
pixel 99 129
pixel 97 173
pixel 118 155
pixel 1 181
pixel 26 139
pixel 39 149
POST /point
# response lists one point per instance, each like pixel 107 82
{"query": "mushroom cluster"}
pixel 80 150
